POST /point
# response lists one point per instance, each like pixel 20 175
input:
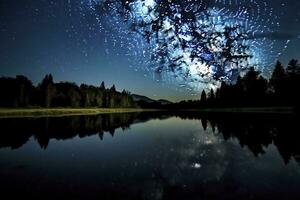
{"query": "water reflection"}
pixel 254 131
pixel 16 132
pixel 152 156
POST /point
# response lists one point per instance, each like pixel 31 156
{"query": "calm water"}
pixel 151 156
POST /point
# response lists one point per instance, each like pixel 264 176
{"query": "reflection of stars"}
pixel 197 165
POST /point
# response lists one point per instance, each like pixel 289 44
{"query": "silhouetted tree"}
pixel 102 86
pixel 16 92
pixel 111 97
pixel 211 98
pixel 47 90
pixel 85 100
pixel 211 94
pixel 277 81
pixel 24 92
pixel 203 97
pixel 293 67
pixel 293 83
pixel 67 95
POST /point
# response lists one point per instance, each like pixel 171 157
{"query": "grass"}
pixel 57 112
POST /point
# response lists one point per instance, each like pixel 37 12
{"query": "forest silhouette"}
pixel 254 90
pixel 250 90
pixel 20 92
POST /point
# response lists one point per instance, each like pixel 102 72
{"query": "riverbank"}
pixel 60 112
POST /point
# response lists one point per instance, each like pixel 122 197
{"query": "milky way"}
pixel 191 42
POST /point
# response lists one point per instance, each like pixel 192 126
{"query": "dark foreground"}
pixel 151 156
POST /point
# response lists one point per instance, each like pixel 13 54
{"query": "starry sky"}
pixel 74 42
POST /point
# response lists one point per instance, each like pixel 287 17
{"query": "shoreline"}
pixel 63 112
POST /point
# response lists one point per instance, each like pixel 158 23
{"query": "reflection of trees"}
pixel 258 132
pixel 254 131
pixel 65 128
pixel 16 132
pixel 166 168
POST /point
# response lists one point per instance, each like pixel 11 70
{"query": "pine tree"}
pixel 48 90
pixel 203 96
pixel 102 86
pixel 212 95
pixel 277 79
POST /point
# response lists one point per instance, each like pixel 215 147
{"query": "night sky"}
pixel 74 42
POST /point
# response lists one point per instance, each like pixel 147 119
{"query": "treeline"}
pixel 254 90
pixel 20 92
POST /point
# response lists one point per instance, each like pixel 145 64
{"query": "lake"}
pixel 151 155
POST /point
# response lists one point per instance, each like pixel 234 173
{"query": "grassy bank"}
pixel 57 112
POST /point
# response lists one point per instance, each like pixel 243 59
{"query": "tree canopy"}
pixel 20 92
